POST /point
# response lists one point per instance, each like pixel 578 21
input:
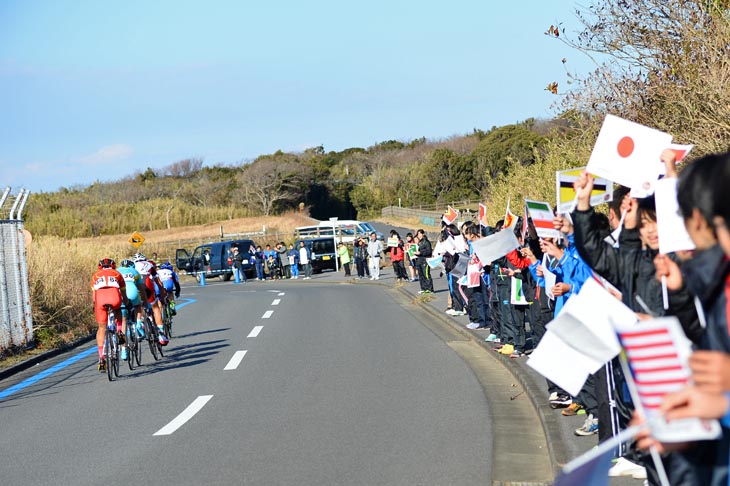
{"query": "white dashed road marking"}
pixel 267 314
pixel 276 302
pixel 235 360
pixel 281 293
pixel 186 415
pixel 255 331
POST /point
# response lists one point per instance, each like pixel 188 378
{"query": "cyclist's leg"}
pixel 103 297
pixel 157 313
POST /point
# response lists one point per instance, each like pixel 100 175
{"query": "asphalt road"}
pixel 281 383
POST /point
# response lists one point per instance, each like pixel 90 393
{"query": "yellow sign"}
pixel 136 240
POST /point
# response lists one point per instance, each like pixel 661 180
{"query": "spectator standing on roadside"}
pixel 397 257
pixel 305 258
pixel 258 259
pixel 375 248
pixel 237 258
pixel 294 261
pixel 361 257
pixel 283 255
pixel 344 254
pixel 423 253
pixel 410 262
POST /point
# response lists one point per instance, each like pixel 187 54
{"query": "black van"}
pixel 215 259
pixel 323 253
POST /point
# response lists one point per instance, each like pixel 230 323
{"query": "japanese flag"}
pixel 628 153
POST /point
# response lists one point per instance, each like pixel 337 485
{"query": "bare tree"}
pixel 267 182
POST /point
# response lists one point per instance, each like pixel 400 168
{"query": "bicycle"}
pixel 167 319
pixel 111 344
pixel 153 336
pixel 133 344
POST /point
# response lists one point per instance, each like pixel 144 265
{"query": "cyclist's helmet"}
pixel 107 263
pixel 138 257
pixel 127 263
pixel 166 266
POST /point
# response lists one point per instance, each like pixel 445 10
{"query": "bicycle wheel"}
pixel 152 339
pixel 115 354
pixel 131 345
pixel 109 353
pixel 138 349
pixel 167 326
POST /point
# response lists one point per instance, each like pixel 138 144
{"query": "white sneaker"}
pixel 553 396
pixel 472 325
pixel 452 312
pixel 624 467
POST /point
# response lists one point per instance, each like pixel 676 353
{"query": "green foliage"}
pixel 504 145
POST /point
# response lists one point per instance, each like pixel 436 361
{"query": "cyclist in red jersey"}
pixel 109 289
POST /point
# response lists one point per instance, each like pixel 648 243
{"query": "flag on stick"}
pixel 450 215
pixel 542 218
pixel 483 214
pixel 602 189
pixel 628 153
pixel 509 218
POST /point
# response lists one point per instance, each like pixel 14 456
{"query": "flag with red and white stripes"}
pixel 657 361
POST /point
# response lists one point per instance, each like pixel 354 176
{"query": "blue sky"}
pixel 99 90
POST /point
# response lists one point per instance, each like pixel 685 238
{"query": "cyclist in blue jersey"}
pixel 170 282
pixel 136 292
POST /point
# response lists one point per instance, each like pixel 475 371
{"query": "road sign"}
pixel 136 239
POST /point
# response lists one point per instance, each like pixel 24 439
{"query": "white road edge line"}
pixel 281 293
pixel 186 415
pixel 255 331
pixel 267 314
pixel 276 302
pixel 235 360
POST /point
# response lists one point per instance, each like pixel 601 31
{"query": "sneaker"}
pixel 102 365
pixel 459 313
pixel 452 312
pixel 507 349
pixel 472 325
pixel 553 396
pixel 624 467
pixel 123 353
pixel 589 427
pixel 561 401
pixel 572 409
pixel 492 338
pixel 428 291
pixel 517 354
pixel 163 339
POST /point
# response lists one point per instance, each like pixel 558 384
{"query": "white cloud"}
pixel 106 155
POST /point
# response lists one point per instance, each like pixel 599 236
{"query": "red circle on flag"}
pixel 625 146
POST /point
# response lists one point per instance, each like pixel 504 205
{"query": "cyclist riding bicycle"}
pixel 171 283
pixel 136 293
pixel 155 291
pixel 109 289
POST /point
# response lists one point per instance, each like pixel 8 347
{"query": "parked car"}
pixel 214 260
pixel 323 253
pixel 347 230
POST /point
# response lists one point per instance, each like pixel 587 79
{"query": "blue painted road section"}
pixel 43 374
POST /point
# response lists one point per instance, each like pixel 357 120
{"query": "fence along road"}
pixel 16 323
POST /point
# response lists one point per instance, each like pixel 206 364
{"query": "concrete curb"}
pixel 556 448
